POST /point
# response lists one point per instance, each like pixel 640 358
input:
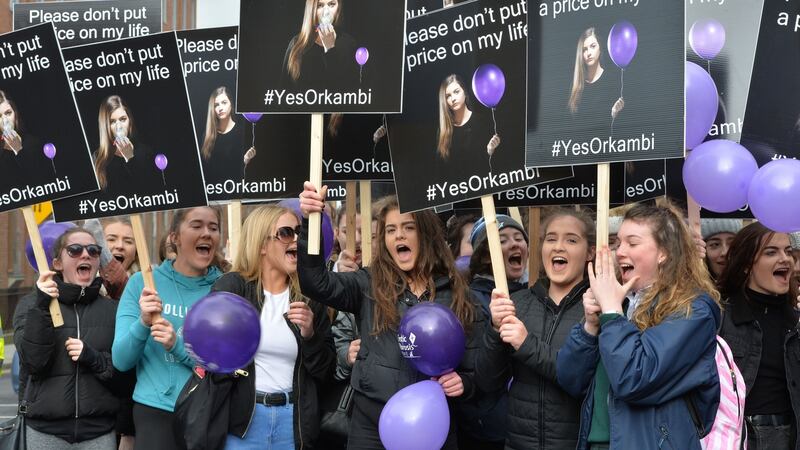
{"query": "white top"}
pixel 277 350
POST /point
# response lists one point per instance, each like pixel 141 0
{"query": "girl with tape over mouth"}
pixel 321 55
pixel 647 374
pixel 70 404
pixel 296 349
pixel 761 326
pixel 592 93
pixel 412 264
pixel 224 154
pixel 459 126
pixel 528 330
pixel 155 346
pixel 121 160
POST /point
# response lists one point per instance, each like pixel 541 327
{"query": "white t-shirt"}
pixel 277 350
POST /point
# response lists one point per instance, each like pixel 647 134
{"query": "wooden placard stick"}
pixel 603 200
pixel 143 254
pixel 41 259
pixel 234 228
pixel 365 191
pixel 513 211
pixel 315 177
pixel 495 249
pixel 534 235
pixel 350 203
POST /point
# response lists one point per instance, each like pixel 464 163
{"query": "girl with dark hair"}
pixel 119 162
pixel 154 346
pixel 70 404
pixel 322 54
pixel 412 264
pixel 640 372
pixel 760 325
pixel 528 330
pixel 224 155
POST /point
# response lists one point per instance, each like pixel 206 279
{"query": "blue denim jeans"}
pixel 272 428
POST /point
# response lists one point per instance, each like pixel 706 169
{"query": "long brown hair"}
pixel 579 73
pixel 683 274
pixel 446 116
pixel 105 148
pixel 306 37
pixel 212 122
pixel 742 255
pixel 434 260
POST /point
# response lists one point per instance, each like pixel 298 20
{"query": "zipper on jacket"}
pixel 548 339
pixel 664 437
pixel 77 366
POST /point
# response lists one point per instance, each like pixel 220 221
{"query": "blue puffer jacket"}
pixel 652 375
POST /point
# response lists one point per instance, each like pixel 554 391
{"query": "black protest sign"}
pixel 44 154
pixel 462 131
pixel 772 121
pixel 581 189
pixel 356 148
pixel 721 37
pixel 644 180
pixel 133 103
pixel 605 81
pixel 378 189
pixel 87 22
pixel 242 155
pixel 321 57
pixel 416 8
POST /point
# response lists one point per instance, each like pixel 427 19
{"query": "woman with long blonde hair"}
pixel 119 163
pixel 647 375
pixel 223 147
pixel 457 126
pixel 590 91
pixel 275 405
pixel 321 54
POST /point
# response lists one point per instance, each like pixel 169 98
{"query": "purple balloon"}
pixel 222 332
pixel 489 84
pixel 622 43
pixel 431 339
pixel 415 418
pixel 49 232
pixel 362 55
pixel 161 161
pixel 252 117
pixel 774 193
pixel 49 150
pixel 327 225
pixel 717 175
pixel 707 37
pixel 701 104
pixel 462 264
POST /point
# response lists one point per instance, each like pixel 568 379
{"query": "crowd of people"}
pixel 604 348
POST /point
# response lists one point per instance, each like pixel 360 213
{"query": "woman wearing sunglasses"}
pixel 275 405
pixel 412 264
pixel 148 335
pixel 69 402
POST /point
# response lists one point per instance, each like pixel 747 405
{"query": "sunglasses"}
pixel 76 250
pixel 287 235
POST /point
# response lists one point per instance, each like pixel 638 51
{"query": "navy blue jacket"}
pixel 652 373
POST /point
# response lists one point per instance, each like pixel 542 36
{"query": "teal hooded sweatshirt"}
pixel 160 374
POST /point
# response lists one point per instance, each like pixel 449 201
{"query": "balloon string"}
pixel 360 69
pixel 708 64
pixel 490 163
pixel 494 121
pixel 54 167
pixel 163 178
pixel 254 134
pixel 621 82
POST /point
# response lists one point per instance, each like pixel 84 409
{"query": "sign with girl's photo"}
pixel 462 130
pixel 605 82
pixel 314 56
pixel 44 154
pixel 133 103
pixel 242 154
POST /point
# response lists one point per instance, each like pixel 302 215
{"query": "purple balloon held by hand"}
pixel 252 117
pixel 362 55
pixel 49 150
pixel 161 163
pixel 489 85
pixel 431 339
pixel 622 43
pixel 415 417
pixel 707 37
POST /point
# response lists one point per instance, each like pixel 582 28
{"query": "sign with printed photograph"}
pixel 44 154
pixel 312 56
pixel 133 102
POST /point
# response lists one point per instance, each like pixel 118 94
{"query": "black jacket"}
pixel 70 400
pixel 743 334
pixel 541 415
pixel 314 365
pixel 380 370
